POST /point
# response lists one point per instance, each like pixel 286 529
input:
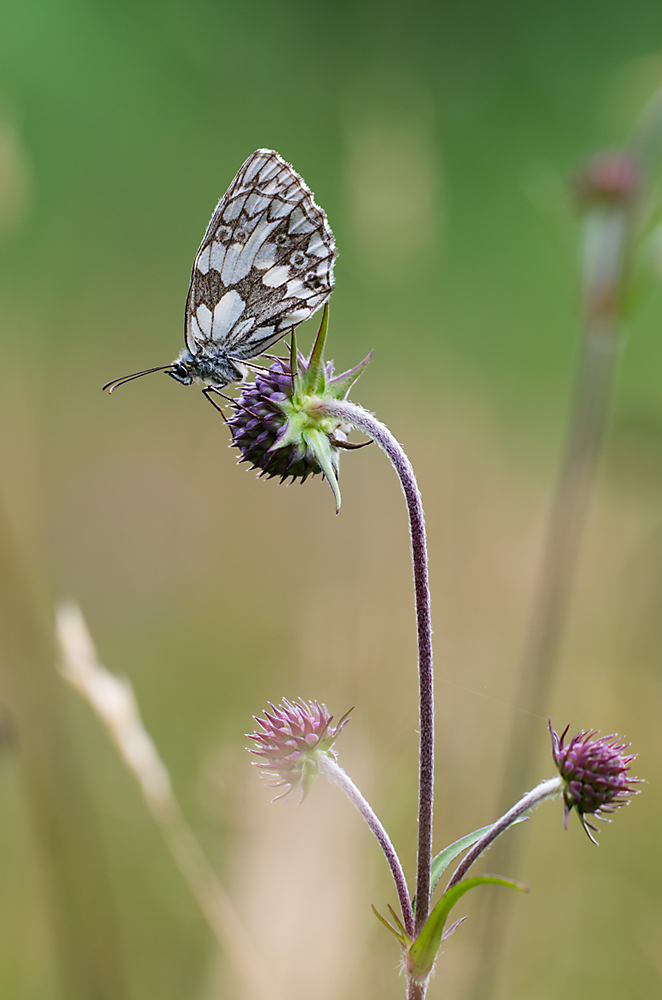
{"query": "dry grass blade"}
pixel 114 702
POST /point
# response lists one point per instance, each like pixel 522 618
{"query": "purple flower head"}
pixel 276 424
pixel 595 774
pixel 293 739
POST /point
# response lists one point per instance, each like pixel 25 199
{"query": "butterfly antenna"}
pixel 111 386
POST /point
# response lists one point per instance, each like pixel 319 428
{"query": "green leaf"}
pixel 444 858
pixel 422 953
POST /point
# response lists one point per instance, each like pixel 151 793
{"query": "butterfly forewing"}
pixel 265 263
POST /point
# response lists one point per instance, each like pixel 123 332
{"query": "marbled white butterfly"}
pixel 265 265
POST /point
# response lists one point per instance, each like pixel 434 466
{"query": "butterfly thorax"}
pixel 216 369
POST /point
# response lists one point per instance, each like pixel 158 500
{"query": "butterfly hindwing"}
pixel 265 263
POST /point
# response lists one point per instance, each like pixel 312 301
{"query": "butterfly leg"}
pixel 207 391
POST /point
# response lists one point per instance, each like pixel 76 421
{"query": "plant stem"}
pixel 336 774
pixel 545 790
pixel 416 990
pixel 605 259
pixel 82 915
pixel 364 421
pixel 567 521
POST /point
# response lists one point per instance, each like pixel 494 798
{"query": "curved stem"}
pixel 545 790
pixel 336 774
pixel 382 437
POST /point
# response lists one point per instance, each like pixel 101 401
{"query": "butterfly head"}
pixel 181 371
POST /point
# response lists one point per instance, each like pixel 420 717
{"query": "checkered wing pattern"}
pixel 264 265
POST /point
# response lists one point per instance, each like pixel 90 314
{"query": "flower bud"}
pixel 595 774
pixel 276 424
pixel 293 739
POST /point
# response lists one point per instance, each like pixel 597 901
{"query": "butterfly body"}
pixel 265 264
pixel 214 370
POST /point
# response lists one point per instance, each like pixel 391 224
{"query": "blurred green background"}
pixel 438 137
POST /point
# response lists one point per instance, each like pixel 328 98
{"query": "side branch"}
pixel 336 774
pixel 545 790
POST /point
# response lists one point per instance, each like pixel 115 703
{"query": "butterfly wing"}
pixel 265 263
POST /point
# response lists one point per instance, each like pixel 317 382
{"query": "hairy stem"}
pixel 382 437
pixel 545 790
pixel 416 990
pixel 336 774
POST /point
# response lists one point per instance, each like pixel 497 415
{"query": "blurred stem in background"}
pixel 85 935
pixel 609 193
pixel 114 703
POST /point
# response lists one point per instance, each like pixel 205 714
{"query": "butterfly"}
pixel 265 264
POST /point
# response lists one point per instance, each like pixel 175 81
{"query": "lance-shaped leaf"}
pixel 422 953
pixel 444 858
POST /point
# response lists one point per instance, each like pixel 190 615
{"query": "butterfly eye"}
pixel 180 373
pixel 280 239
pixel 223 234
pixel 312 281
pixel 298 258
pixel 240 236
